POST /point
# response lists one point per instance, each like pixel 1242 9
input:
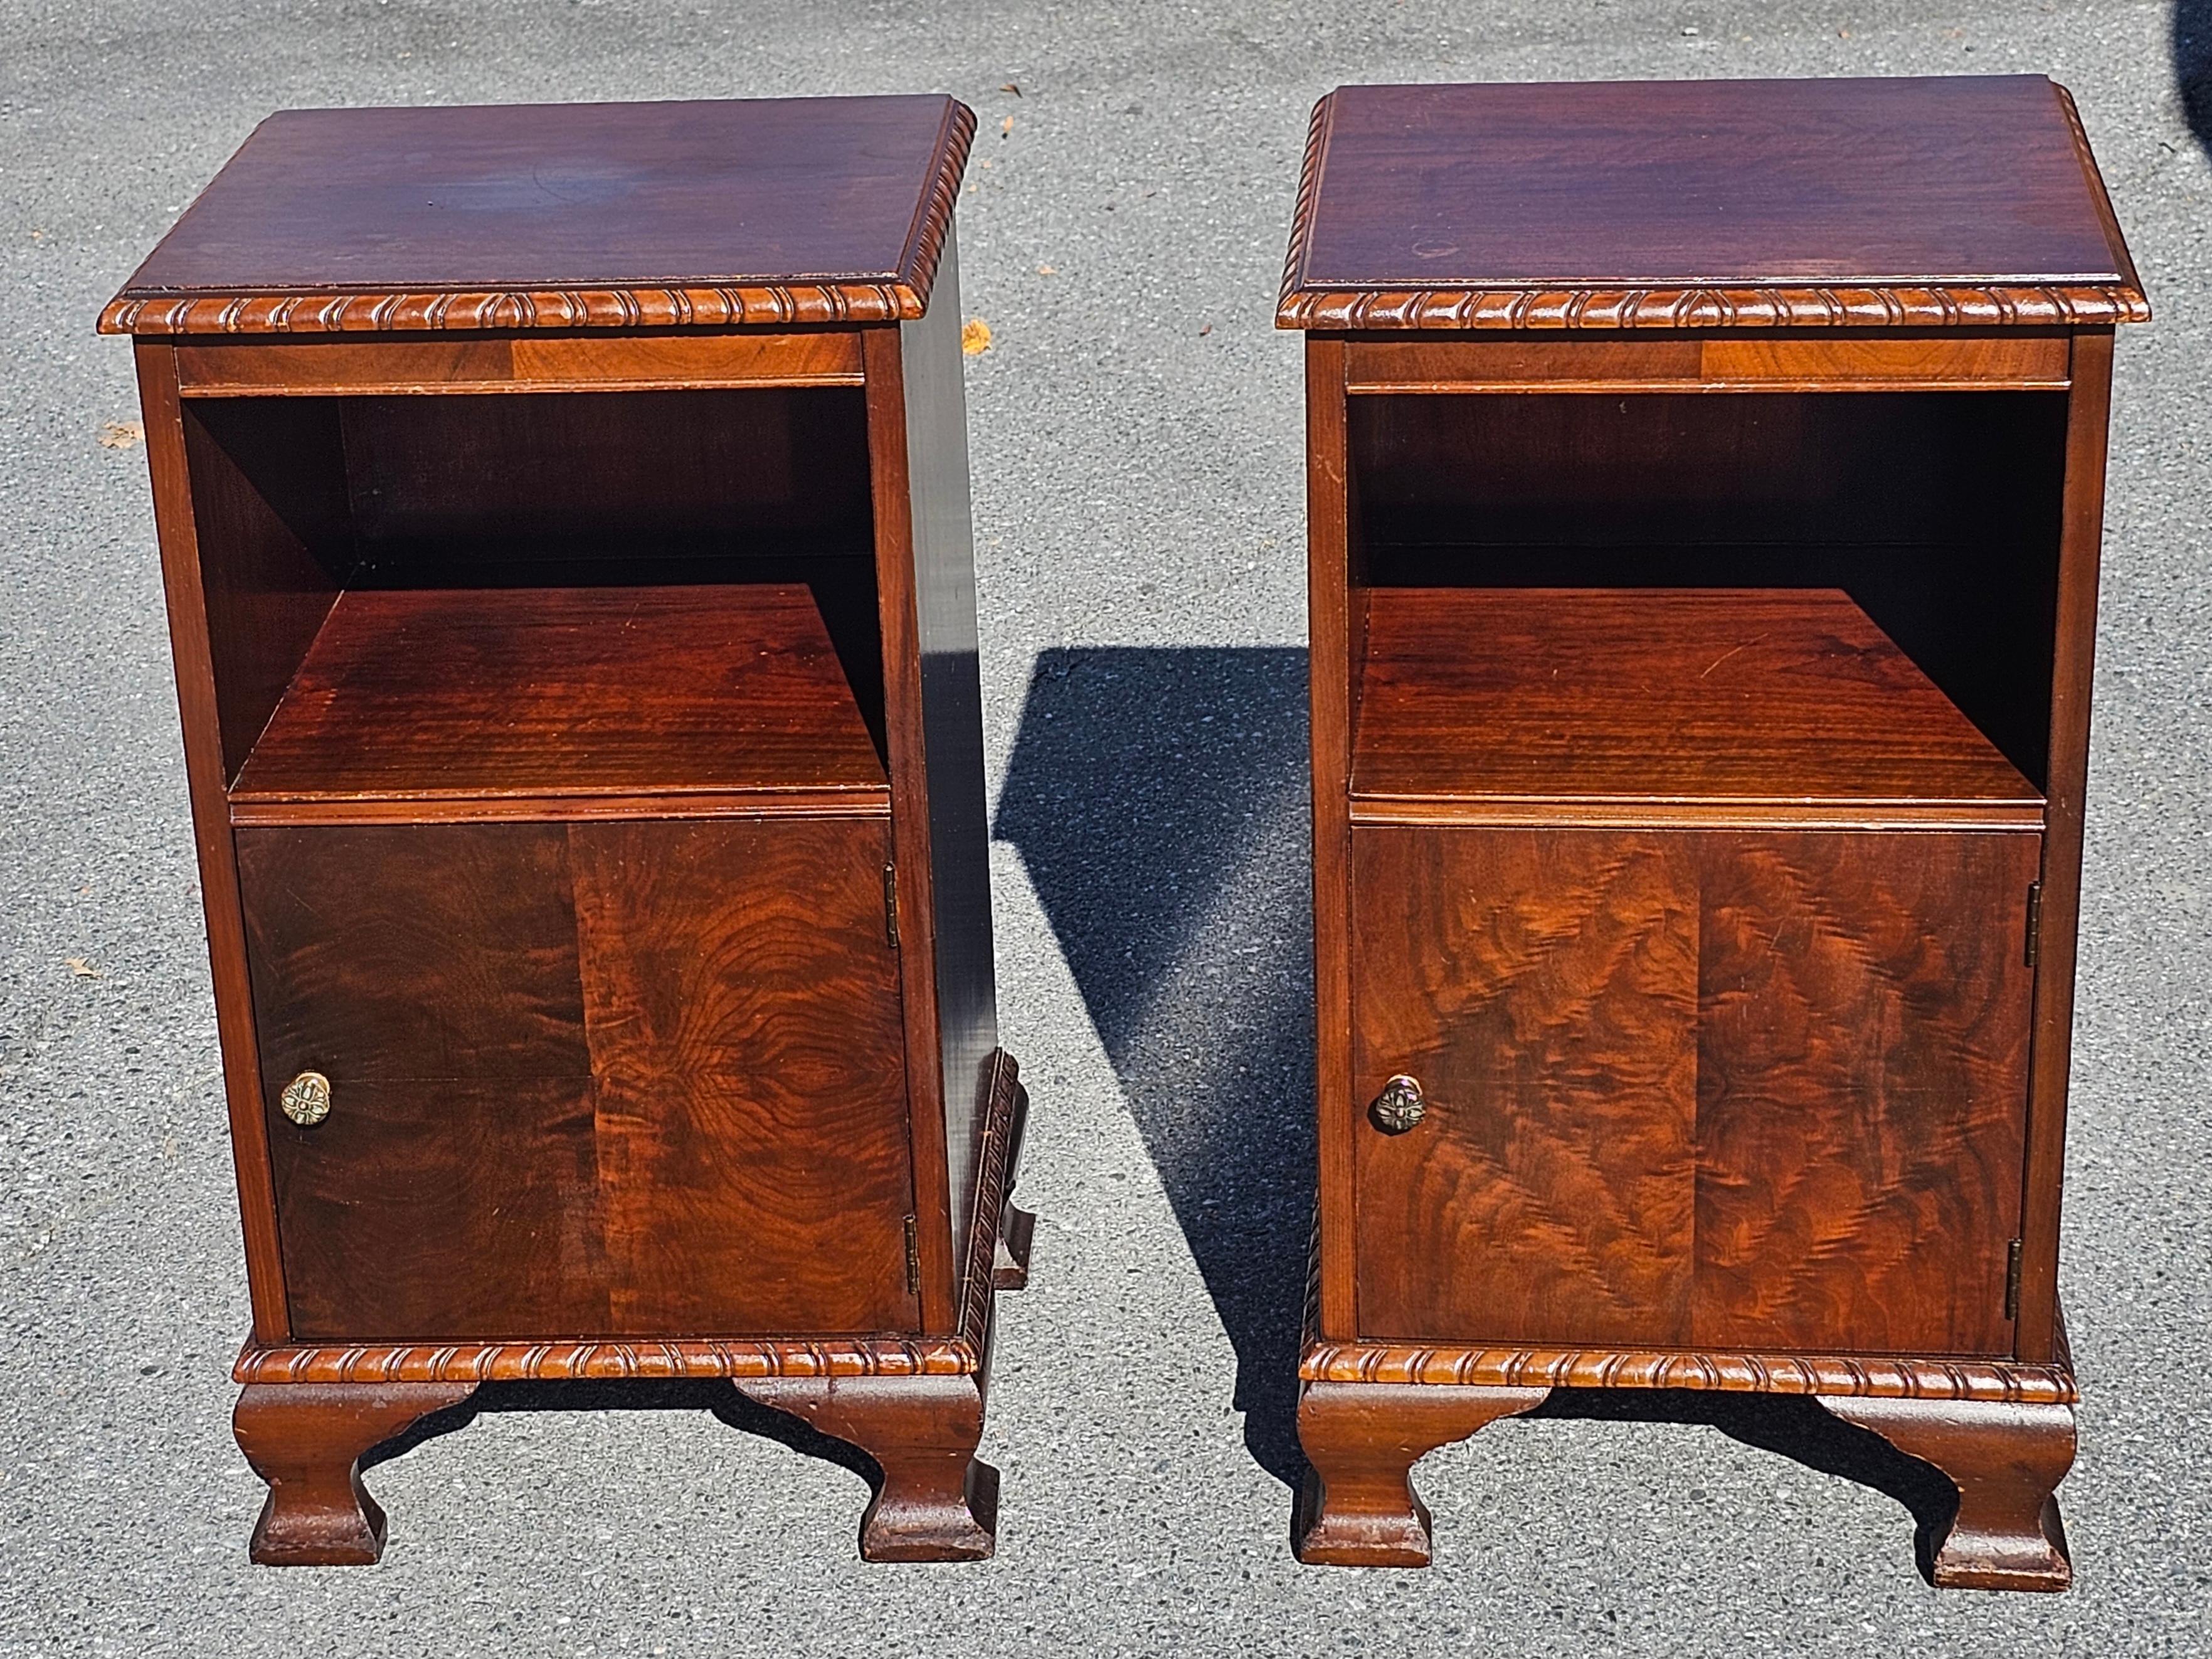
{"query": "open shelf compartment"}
pixel 537 694
pixel 549 603
pixel 1658 704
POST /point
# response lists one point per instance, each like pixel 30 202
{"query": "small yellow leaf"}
pixel 81 968
pixel 1006 126
pixel 1047 270
pixel 120 434
pixel 1008 86
pixel 976 337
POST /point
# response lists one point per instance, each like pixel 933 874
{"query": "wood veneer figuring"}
pixel 1704 492
pixel 563 521
pixel 443 695
pixel 1692 705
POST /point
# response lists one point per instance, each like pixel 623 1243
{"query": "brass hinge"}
pixel 2034 921
pixel 2012 1280
pixel 913 1259
pixel 890 914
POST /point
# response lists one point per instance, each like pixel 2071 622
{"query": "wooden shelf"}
pixel 564 702
pixel 1661 706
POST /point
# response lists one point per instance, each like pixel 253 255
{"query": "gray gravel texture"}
pixel 1136 433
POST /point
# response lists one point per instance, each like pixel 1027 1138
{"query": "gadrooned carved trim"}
pixel 1630 1368
pixel 715 305
pixel 625 1361
pixel 2006 306
pixel 2009 1380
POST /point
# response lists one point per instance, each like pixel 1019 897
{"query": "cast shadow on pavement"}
pixel 1158 798
pixel 2192 65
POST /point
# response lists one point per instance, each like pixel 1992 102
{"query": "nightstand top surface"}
pixel 1899 202
pixel 757 211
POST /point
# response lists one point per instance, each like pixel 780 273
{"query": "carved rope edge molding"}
pixel 1612 1368
pixel 2003 307
pixel 508 1362
pixel 712 306
pixel 620 308
pixel 1881 305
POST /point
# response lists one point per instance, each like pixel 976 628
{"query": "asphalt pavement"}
pixel 1136 433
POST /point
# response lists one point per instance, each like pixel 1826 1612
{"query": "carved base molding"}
pixel 308 1412
pixel 1888 1377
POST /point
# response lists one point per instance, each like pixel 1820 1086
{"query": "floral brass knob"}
pixel 1399 1107
pixel 306 1099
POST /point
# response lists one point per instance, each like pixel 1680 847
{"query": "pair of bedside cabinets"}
pixel 564 518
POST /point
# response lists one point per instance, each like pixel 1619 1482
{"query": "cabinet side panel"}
pixel 953 720
pixel 205 775
pixel 742 1006
pixel 1541 987
pixel 1334 606
pixel 2081 544
pixel 268 495
pixel 1863 1014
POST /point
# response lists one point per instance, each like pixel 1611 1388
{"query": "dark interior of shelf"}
pixel 543 496
pixel 1937 514
pixel 551 692
pixel 1749 695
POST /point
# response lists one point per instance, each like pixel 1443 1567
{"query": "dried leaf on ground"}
pixel 976 337
pixel 81 968
pixel 1006 126
pixel 120 434
pixel 1008 86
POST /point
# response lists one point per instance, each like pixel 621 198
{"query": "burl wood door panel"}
pixel 1696 1089
pixel 634 1078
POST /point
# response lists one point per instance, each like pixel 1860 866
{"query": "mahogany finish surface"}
pixel 1702 610
pixel 1718 700
pixel 1677 204
pixel 426 694
pixel 763 211
pixel 1693 1090
pixel 563 518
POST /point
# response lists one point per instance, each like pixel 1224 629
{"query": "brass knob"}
pixel 1399 1106
pixel 306 1099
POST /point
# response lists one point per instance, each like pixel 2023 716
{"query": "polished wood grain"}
pixel 1755 1092
pixel 2073 663
pixel 570 573
pixel 742 1004
pixel 266 591
pixel 570 1360
pixel 951 694
pixel 2006 1460
pixel 590 1079
pixel 1543 988
pixel 938 1501
pixel 1336 629
pixel 1358 1507
pixel 1574 359
pixel 494 362
pixel 1701 705
pixel 1687 361
pixel 468 694
pixel 432 975
pixel 641 214
pixel 1890 204
pixel 307 1441
pixel 1863 1041
pixel 184 581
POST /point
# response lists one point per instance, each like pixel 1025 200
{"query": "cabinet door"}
pixel 638 1079
pixel 1692 1089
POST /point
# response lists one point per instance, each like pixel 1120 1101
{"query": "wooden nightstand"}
pixel 1706 482
pixel 564 517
